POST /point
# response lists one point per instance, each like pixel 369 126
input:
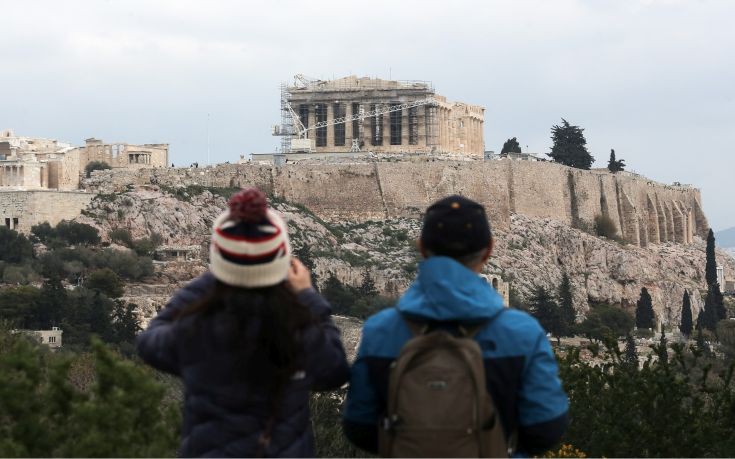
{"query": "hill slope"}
pixel 530 252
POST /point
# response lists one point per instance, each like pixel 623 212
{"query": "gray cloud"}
pixel 652 79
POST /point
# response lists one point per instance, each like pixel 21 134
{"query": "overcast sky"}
pixel 655 80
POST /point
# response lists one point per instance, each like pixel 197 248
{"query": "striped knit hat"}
pixel 250 246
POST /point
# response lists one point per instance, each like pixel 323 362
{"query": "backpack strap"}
pixel 417 328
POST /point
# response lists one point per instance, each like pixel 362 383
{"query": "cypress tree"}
pixel 614 165
pixel 566 305
pixel 711 263
pixel 367 288
pixel 644 315
pixel 709 315
pixel 662 349
pixel 630 356
pixel 686 315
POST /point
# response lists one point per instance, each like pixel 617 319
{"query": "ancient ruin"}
pixel 382 116
pixel 30 163
pixel 124 155
pixel 39 178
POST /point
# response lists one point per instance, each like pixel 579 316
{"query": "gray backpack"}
pixel 438 405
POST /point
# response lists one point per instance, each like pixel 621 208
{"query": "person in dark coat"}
pixel 250 339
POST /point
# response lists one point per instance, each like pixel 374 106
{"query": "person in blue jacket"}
pixel 250 339
pixel 521 371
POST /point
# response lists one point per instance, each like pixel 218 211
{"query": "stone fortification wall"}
pixel 645 212
pixel 23 209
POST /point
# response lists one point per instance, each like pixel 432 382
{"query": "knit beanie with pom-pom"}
pixel 250 246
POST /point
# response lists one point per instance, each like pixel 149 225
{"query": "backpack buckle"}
pixel 388 423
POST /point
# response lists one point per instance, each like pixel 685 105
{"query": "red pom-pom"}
pixel 248 205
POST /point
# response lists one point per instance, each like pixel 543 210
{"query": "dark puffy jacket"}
pixel 521 371
pixel 222 415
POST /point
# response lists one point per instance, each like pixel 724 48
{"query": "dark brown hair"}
pixel 267 326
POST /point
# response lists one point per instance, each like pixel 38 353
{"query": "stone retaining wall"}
pixel 644 211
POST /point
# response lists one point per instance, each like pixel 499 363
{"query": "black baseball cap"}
pixel 455 226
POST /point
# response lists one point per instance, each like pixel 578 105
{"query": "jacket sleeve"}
pixel 157 344
pixel 543 404
pixel 362 407
pixel 325 357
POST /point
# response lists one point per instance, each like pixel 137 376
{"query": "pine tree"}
pixel 644 315
pixel 566 306
pixel 711 263
pixel 614 165
pixel 546 311
pixel 686 315
pixel 630 356
pixel 570 146
pixel 367 288
pixel 662 348
pixel 511 146
pixel 125 323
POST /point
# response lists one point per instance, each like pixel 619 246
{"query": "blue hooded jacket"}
pixel 521 371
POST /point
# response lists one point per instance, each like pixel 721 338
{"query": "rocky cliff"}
pixel 645 212
pixel 530 250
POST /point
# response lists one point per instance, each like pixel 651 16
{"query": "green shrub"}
pixel 77 233
pixel 66 233
pixel 125 264
pixel 605 321
pixel 14 247
pixel 680 406
pixel 105 281
pixel 605 227
pixel 95 166
pixel 326 419
pixel 69 405
pixel 122 236
pixel 144 247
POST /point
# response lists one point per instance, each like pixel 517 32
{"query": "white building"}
pixel 51 338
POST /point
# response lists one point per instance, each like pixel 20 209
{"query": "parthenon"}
pixel 398 116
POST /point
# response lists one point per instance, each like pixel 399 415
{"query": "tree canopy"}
pixel 14 247
pixel 605 321
pixel 95 166
pixel 614 165
pixel 570 146
pixel 546 310
pixel 511 146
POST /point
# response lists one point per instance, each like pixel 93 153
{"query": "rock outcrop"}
pixel 530 251
pixel 645 212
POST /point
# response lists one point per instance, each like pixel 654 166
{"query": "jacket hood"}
pixel 446 290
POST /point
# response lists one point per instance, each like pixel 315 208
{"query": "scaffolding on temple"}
pixel 323 105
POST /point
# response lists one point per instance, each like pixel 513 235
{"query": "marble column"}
pixel 330 129
pixel 348 124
